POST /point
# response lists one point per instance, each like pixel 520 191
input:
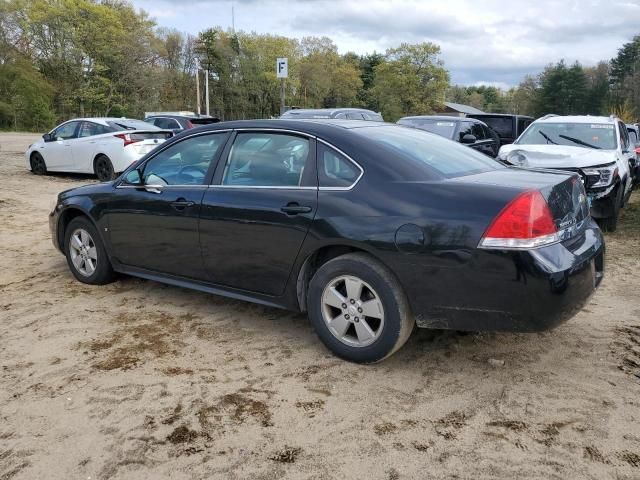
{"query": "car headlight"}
pixel 53 203
pixel 602 176
pixel 517 159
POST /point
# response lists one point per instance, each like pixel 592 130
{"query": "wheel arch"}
pixel 319 257
pixel 95 157
pixel 65 218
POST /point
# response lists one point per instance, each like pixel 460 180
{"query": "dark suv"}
pixel 342 113
pixel 468 131
pixel 178 123
pixel 507 126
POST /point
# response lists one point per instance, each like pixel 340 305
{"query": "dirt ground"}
pixel 141 380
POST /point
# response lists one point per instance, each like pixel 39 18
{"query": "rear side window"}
pixel 355 116
pixel 335 170
pixel 437 155
pixel 502 125
pixel 266 160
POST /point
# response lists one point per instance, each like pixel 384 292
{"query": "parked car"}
pixel 179 122
pixel 468 131
pixel 507 126
pixel 343 113
pixel 634 138
pixel 368 227
pixel 598 148
pixel 102 146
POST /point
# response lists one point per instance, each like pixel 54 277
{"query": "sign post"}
pixel 282 72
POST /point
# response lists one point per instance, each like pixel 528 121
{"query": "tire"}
pixel 103 168
pixel 38 165
pixel 610 224
pixel 89 264
pixel 391 323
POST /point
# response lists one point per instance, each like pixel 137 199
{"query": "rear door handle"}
pixel 181 204
pixel 294 209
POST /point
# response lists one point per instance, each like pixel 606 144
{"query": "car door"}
pixel 154 225
pixel 85 147
pixel 256 214
pixel 58 153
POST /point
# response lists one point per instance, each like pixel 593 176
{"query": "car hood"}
pixel 556 156
pixel 91 189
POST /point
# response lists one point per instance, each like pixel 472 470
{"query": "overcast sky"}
pixel 491 42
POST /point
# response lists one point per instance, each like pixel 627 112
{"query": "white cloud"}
pixel 493 42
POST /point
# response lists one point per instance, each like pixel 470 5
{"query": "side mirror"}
pixel 468 139
pixel 134 177
pixel 47 137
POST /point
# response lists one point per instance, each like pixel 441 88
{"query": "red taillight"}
pixel 126 138
pixel 526 222
pixel 638 150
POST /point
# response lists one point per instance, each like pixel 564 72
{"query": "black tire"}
pixel 103 168
pixel 610 224
pixel 398 319
pixel 103 272
pixel 38 165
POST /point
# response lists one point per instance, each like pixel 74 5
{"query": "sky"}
pixel 492 42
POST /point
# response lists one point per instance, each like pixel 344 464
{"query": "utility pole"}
pixel 206 90
pixel 282 96
pixel 198 90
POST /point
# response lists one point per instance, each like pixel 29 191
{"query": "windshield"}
pixel 439 127
pixel 127 124
pixel 446 158
pixel 588 135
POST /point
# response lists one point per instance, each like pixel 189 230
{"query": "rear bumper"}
pixel 514 291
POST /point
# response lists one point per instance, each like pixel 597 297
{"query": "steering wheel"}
pixel 185 170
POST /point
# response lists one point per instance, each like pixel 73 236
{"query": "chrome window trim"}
pixel 163 187
pixel 263 187
pixel 274 129
pixel 355 182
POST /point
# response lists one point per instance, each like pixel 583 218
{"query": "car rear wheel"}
pixel 358 308
pixel 38 166
pixel 103 168
pixel 85 253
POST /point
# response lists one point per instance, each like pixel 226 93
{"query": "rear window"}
pixel 444 128
pixel 443 157
pixel 203 121
pixel 127 124
pixel 588 135
pixel 502 125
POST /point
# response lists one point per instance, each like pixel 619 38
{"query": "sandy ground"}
pixel 141 380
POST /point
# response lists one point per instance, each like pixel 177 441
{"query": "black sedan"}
pixel 369 227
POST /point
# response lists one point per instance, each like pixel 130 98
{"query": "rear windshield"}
pixel 446 158
pixel 443 128
pixel 127 124
pixel 502 125
pixel 294 114
pixel 203 121
pixel 589 135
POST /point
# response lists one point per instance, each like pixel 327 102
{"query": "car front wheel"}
pixel 86 255
pixel 358 308
pixel 38 165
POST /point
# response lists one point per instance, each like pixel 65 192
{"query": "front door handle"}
pixel 294 209
pixel 181 204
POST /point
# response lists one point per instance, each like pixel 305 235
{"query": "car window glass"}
pixel 266 159
pixel 465 129
pixel 66 131
pixel 586 135
pixel 341 115
pixel 185 162
pixel 88 129
pixel 523 123
pixel 633 137
pixel 334 170
pixel 624 136
pixel 355 116
pixel 478 131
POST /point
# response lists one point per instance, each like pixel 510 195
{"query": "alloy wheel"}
pixel 84 255
pixel 37 165
pixel 352 311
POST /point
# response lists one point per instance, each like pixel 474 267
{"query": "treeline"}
pixel 607 88
pixel 66 58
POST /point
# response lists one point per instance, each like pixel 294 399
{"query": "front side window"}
pixel 465 129
pixel 477 130
pixel 633 137
pixel 66 131
pixel 335 170
pixel 266 160
pixel 588 135
pixel 624 136
pixel 184 163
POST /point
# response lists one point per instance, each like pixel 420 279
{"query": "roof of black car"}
pixel 444 118
pixel 499 115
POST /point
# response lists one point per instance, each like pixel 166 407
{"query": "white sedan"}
pixel 103 146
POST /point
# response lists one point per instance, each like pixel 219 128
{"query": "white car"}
pixel 598 148
pixel 103 146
